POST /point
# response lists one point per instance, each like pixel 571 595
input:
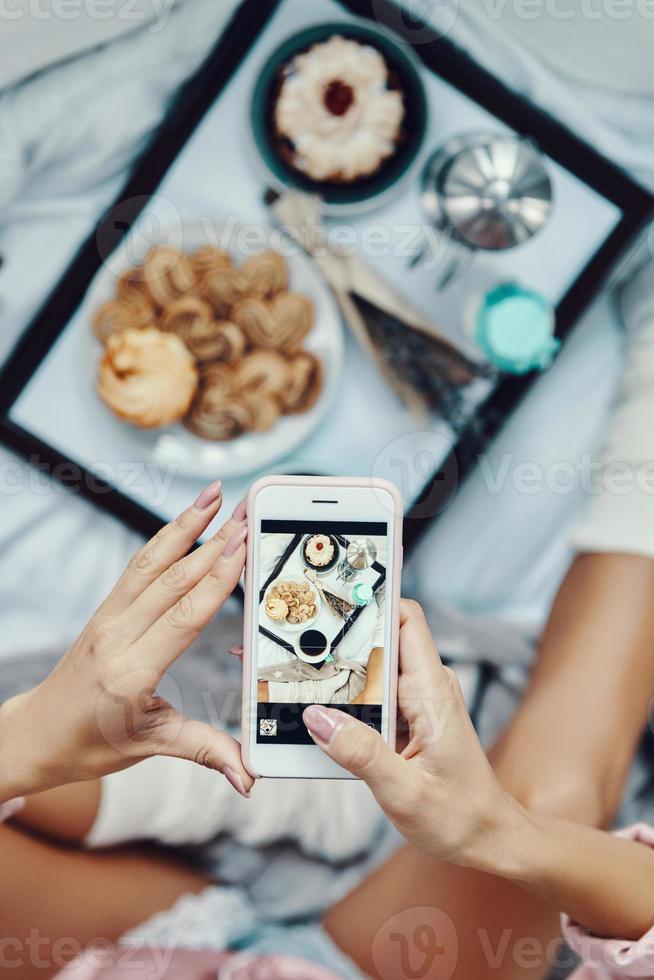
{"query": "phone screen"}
pixel 323 623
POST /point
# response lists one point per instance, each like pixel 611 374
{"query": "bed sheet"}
pixel 60 556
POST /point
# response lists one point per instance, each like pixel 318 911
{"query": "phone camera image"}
pixel 268 727
pixel 321 623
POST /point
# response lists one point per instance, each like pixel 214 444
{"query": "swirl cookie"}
pixel 217 413
pixel 147 377
pixel 192 320
pixel 219 419
pixel 130 284
pixel 282 322
pixel 266 274
pixel 218 377
pixel 228 342
pixel 223 341
pixel 263 372
pixel 265 411
pixel 223 288
pixel 166 275
pixel 208 259
pixel 276 609
pixel 188 317
pixel 305 380
pixel 116 315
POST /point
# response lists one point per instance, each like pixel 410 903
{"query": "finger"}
pixel 426 686
pixel 168 545
pixel 237 651
pixel 419 659
pixel 180 625
pixel 175 581
pixel 200 743
pixel 362 751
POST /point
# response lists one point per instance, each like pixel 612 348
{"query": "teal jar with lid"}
pixel 362 594
pixel 514 327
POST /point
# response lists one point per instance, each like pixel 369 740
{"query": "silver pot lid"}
pixel 492 190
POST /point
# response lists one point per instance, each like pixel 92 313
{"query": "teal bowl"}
pixel 364 192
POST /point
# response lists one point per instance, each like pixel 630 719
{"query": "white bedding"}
pixel 37 36
pixel 66 139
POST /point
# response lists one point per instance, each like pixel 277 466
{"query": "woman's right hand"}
pixel 443 797
pixel 440 792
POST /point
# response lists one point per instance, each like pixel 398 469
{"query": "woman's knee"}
pixel 569 796
pixel 561 791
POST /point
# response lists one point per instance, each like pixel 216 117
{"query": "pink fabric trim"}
pixel 614 959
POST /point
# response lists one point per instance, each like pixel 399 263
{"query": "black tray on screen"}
pixel 196 96
pixel 276 573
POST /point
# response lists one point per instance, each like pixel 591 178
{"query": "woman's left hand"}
pixel 99 711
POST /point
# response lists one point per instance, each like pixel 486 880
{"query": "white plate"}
pixel 285 627
pixel 178 448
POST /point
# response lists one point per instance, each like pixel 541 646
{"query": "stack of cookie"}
pixel 195 338
pixel 291 602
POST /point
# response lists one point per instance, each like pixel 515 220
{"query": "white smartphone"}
pixel 322 591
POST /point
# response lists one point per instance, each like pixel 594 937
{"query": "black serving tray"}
pixel 440 56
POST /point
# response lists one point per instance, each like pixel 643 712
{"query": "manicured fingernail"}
pixel 209 495
pixel 235 542
pixel 237 651
pixel 319 722
pixel 240 511
pixel 236 781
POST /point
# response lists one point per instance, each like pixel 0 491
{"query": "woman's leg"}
pixel 66 813
pixel 573 738
pixel 566 752
pixel 55 900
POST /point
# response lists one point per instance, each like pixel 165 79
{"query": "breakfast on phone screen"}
pixel 321 612
pixel 194 338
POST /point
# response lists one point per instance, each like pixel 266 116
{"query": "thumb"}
pixel 200 743
pixel 362 751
